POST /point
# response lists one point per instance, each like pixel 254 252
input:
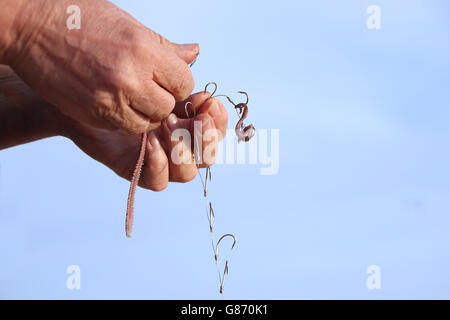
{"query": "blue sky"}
pixel 363 179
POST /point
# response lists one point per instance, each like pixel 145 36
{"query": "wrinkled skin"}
pixel 112 73
pixel 31 118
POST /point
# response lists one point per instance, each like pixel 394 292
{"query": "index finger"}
pixel 173 74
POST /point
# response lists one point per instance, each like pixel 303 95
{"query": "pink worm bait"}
pixel 133 185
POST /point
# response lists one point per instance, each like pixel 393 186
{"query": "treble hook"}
pixel 216 254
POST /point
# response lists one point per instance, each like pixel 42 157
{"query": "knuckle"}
pixel 138 45
pixel 134 126
pixel 104 109
pixel 184 84
pixel 163 108
pixel 116 114
pixel 187 176
pixel 119 81
pixel 130 33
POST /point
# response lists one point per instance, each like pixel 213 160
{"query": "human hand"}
pixel 112 73
pixel 119 150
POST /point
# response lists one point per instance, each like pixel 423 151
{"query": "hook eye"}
pixel 215 87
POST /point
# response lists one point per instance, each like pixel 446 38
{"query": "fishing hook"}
pixel 244 133
pixel 225 272
pixel 211 217
pixel 216 254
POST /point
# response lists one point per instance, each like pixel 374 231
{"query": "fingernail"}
pixel 192 63
pixel 172 121
pixel 214 109
pixel 154 142
pixel 190 46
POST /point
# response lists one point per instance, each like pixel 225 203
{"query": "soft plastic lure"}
pixel 133 185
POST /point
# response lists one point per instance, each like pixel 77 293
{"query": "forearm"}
pixel 24 117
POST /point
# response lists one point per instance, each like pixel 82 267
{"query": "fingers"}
pixel 216 110
pixel 173 74
pixel 196 101
pixel 152 101
pixel 156 100
pixel 170 155
pixel 202 103
pixel 177 139
pixel 153 97
pixel 187 52
pixel 155 173
pixel 180 137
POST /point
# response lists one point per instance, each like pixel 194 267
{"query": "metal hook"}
pixel 211 217
pixel 225 272
pixel 195 156
pixel 243 92
pixel 216 257
pixel 197 153
pixel 209 172
pixel 205 185
pixel 216 254
pixel 186 110
pixel 215 87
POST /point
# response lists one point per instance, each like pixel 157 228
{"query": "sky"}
pixel 361 125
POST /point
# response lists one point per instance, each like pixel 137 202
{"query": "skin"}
pixel 112 73
pixel 26 117
pixel 101 86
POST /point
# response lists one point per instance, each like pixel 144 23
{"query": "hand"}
pixel 25 117
pixel 111 73
pixel 119 150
